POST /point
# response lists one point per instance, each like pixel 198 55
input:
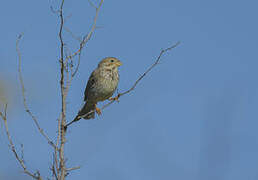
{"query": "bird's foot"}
pixel 98 111
pixel 114 98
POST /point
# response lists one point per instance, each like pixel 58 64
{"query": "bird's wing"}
pixel 90 85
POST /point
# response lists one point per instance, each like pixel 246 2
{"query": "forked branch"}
pixel 36 175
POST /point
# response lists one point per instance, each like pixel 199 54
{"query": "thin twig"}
pixel 53 10
pixel 24 97
pixel 149 69
pixel 72 34
pixel 78 63
pixel 73 168
pixel 91 3
pixel 134 85
pixel 22 153
pixel 11 145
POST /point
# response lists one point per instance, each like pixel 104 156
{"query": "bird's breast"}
pixel 107 85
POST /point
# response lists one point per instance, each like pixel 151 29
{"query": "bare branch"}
pixel 12 147
pixel 149 69
pixel 132 88
pixel 24 97
pixel 87 37
pixel 62 168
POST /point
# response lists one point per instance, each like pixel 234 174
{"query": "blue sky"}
pixel 193 117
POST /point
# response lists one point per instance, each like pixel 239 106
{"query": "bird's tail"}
pixel 87 111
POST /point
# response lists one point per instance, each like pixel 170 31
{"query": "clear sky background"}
pixel 194 117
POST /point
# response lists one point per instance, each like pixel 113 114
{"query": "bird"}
pixel 101 85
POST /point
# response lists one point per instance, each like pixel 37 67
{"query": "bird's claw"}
pixel 98 111
pixel 114 98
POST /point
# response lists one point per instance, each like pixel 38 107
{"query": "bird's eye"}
pixel 112 60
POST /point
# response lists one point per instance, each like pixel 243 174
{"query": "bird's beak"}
pixel 119 63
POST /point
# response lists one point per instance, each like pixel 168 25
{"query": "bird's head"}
pixel 110 62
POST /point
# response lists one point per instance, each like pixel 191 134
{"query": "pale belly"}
pixel 105 90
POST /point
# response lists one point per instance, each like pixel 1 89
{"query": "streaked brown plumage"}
pixel 101 86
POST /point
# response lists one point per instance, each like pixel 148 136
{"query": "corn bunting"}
pixel 100 86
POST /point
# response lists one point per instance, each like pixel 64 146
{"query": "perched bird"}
pixel 100 86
